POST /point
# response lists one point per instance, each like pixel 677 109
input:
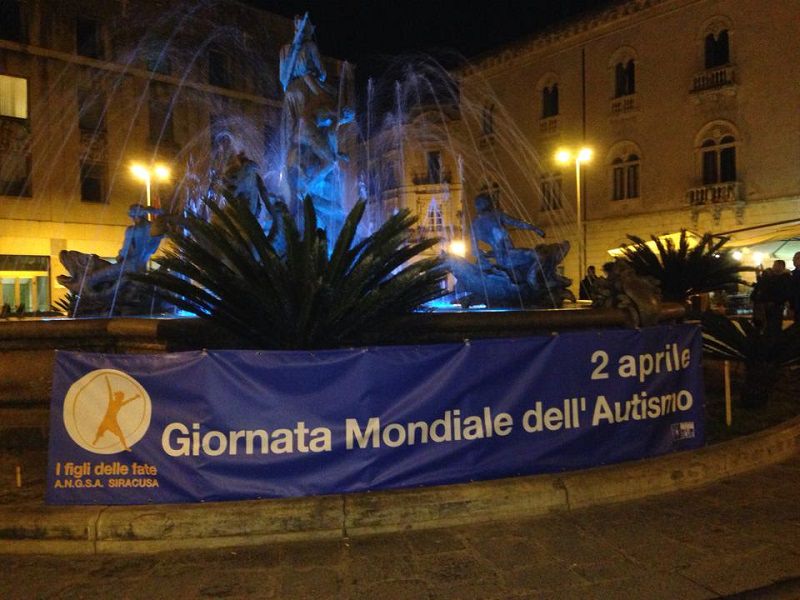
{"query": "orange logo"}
pixel 107 411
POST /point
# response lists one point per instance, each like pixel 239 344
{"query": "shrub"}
pixel 763 354
pixel 306 295
pixel 681 270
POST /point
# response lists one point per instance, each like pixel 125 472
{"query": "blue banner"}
pixel 204 426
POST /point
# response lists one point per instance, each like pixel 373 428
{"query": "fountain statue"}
pixel 100 286
pixel 504 275
pixel 314 114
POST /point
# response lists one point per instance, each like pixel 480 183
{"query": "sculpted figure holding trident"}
pixel 314 113
pixel 110 422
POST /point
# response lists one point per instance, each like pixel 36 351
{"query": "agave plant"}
pixel 66 305
pixel 763 354
pixel 306 295
pixel 683 270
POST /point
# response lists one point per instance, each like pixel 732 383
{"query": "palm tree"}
pixel 229 271
pixel 683 270
pixel 763 354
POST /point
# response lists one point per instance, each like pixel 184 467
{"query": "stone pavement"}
pixel 738 538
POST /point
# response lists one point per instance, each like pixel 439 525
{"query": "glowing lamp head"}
pixel 563 157
pixel 584 155
pixel 737 255
pixel 140 171
pixel 758 258
pixel 458 248
pixel 161 172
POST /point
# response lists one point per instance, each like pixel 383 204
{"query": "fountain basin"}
pixel 27 347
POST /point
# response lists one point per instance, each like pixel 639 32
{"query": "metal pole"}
pixel 579 218
pixel 147 186
pixel 727 377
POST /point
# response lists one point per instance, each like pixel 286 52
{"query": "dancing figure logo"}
pixel 107 411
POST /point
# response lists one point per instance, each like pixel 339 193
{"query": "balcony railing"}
pixel 624 105
pixel 714 194
pixel 93 146
pixel 712 79
pixel 548 125
pixel 431 179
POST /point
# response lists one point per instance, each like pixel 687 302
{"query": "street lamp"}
pixel 565 156
pixel 146 174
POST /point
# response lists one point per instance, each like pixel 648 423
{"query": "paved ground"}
pixel 741 536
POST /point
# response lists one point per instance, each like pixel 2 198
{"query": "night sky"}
pixel 373 33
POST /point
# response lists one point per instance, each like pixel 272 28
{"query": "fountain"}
pixel 313 154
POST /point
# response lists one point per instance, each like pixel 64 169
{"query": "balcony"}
pixel 548 125
pixel 93 146
pixel 714 79
pixel 624 105
pixel 715 194
pixel 431 179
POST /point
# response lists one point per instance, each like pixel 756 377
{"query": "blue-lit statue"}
pixel 101 285
pixel 504 275
pixel 313 117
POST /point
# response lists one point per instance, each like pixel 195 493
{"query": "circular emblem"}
pixel 107 411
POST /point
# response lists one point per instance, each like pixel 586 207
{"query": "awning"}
pixel 675 238
pixel 769 233
pixel 777 240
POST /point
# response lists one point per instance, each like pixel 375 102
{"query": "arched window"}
pixel 716 147
pixel 550 101
pixel 717 49
pixel 625 166
pixel 487 119
pixel 547 102
pixel 625 78
pixel 550 189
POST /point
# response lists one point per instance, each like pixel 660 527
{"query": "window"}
pixel 392 179
pixel 15 138
pixel 88 41
pixel 15 170
pixel 434 167
pixel 93 177
pixel 158 61
pixel 492 189
pixel 487 120
pixel 550 188
pixel 160 105
pixel 625 78
pixel 718 157
pixel 625 177
pixel 92 108
pixel 434 221
pixel 13 97
pixel 717 49
pixel 11 21
pixel 550 101
pixel 219 71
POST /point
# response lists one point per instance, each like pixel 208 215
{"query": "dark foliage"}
pixel 684 270
pixel 228 270
pixel 761 353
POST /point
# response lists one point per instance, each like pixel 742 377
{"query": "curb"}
pixel 144 529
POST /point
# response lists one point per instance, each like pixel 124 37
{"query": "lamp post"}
pixel 564 157
pixel 146 175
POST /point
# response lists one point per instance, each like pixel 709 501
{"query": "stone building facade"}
pixel 690 108
pixel 413 163
pixel 87 87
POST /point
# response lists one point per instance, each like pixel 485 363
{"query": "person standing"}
pixel 770 295
pixel 794 299
pixel 588 284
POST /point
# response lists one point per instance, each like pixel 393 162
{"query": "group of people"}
pixel 775 288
